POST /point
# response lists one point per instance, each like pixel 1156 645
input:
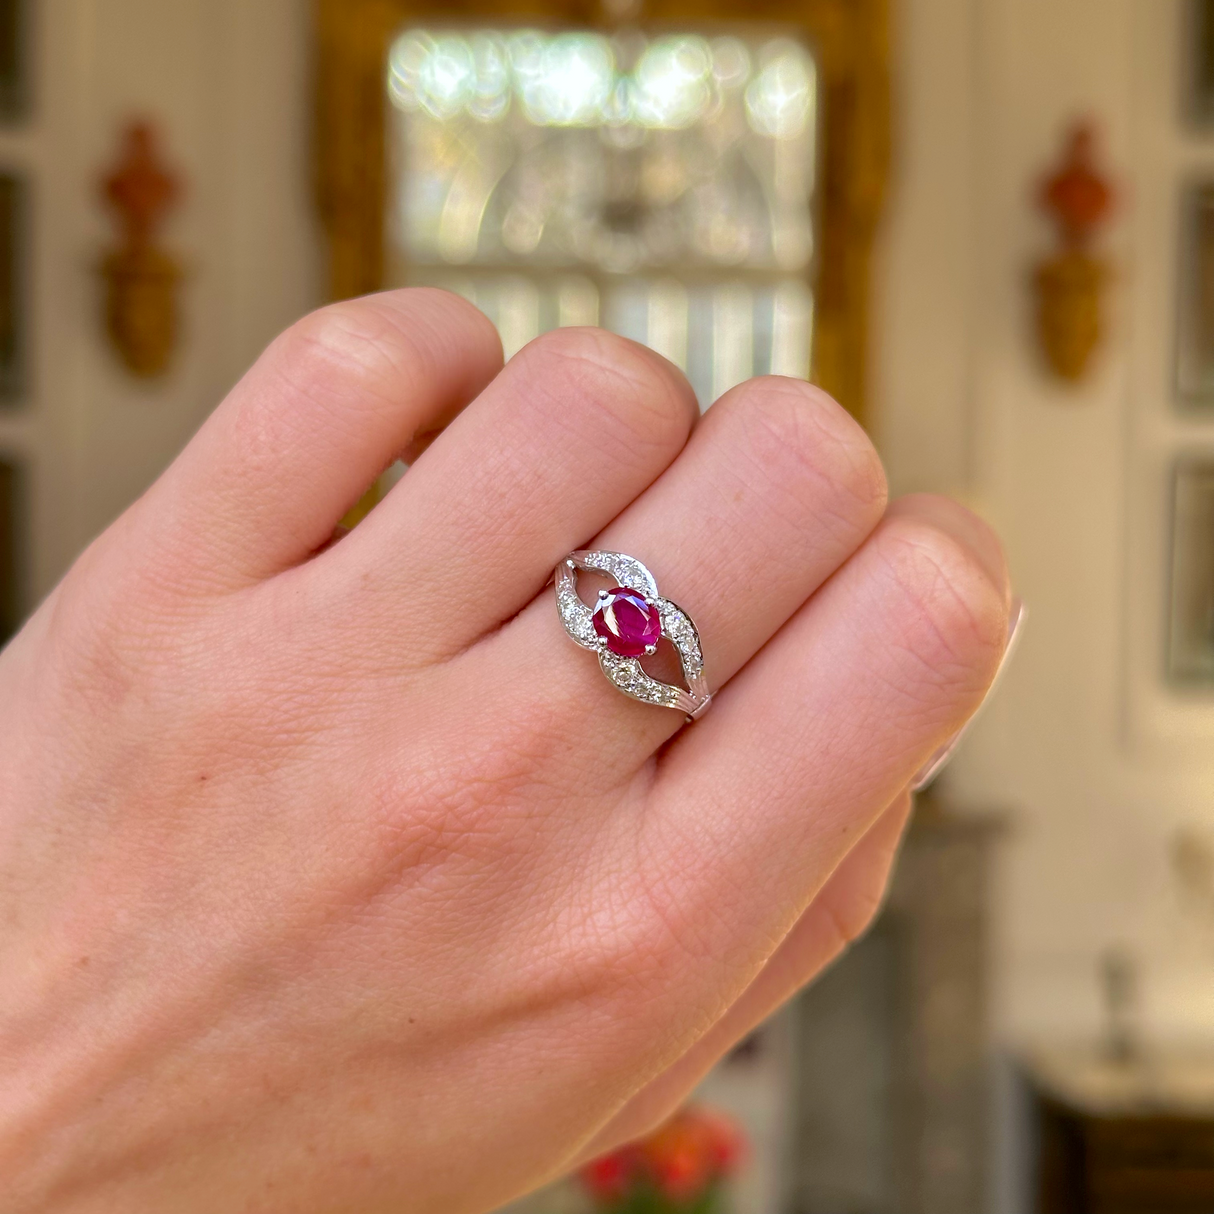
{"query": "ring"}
pixel 626 624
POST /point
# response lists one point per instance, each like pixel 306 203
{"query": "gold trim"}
pixel 851 38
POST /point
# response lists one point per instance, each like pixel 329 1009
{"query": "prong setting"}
pixel 635 582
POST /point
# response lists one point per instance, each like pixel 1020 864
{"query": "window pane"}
pixel 1191 641
pixel 661 186
pixel 1196 330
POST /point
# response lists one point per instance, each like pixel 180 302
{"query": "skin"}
pixel 333 877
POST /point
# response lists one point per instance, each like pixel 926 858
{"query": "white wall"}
pixel 1095 759
pixel 227 81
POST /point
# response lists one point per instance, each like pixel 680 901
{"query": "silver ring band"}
pixel 626 623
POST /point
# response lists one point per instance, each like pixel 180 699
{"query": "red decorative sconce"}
pixel 141 277
pixel 1071 284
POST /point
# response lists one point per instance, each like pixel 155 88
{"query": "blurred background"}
pixel 986 225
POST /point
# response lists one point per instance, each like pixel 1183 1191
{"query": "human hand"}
pixel 335 878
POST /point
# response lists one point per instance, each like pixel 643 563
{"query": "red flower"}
pixel 609 1178
pixel 691 1152
pixel 679 1164
pixel 726 1143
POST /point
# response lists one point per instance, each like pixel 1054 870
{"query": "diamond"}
pixel 627 622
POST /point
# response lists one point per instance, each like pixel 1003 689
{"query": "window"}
pixel 662 186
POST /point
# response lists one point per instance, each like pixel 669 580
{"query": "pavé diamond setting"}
pixel 626 623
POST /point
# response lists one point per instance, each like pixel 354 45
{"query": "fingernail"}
pixel 937 763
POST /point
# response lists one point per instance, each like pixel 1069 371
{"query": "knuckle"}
pixel 359 361
pixel 383 346
pixel 959 620
pixel 804 440
pixel 641 392
pixel 441 308
pixel 349 346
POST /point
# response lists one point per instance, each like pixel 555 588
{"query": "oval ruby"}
pixel 628 624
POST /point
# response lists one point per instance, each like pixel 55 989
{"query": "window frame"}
pixel 850 39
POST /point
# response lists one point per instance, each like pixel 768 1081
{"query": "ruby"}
pixel 627 622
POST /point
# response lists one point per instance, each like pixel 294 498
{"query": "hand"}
pixel 335 878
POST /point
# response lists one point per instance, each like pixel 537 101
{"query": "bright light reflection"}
pixel 670 85
pixel 779 99
pixel 730 61
pixel 572 83
pixel 445 77
pixel 404 63
pixel 792 324
pixel 572 80
pixel 492 80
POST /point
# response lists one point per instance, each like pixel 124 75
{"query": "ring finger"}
pixel 777 487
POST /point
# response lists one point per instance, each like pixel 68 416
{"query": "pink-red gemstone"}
pixel 626 622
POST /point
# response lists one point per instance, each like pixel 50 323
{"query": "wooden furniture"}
pixel 850 39
pixel 1124 1137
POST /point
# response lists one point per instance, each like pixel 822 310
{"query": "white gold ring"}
pixel 626 623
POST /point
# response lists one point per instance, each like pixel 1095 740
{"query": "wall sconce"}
pixel 141 277
pixel 1071 284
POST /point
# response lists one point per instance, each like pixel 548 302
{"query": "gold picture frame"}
pixel 851 41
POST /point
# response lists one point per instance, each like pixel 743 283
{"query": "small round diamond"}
pixel 628 624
